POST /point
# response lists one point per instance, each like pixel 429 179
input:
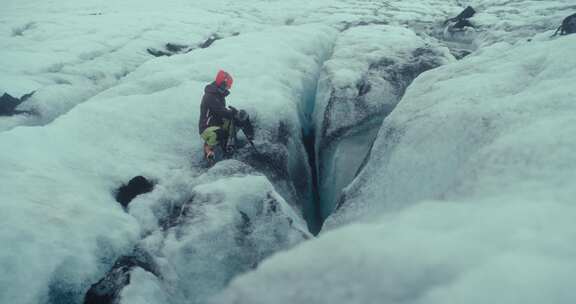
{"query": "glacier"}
pixel 398 161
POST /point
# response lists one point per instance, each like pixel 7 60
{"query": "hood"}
pixel 214 89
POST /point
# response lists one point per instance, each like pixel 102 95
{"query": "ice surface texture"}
pixel 491 136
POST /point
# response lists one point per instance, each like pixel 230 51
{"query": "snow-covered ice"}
pixel 463 194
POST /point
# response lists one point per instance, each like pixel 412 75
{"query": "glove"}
pixel 242 117
pixel 233 110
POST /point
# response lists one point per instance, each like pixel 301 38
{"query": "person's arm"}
pixel 218 109
pixel 243 121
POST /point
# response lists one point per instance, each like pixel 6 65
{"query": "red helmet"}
pixel 223 79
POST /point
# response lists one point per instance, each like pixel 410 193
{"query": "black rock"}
pixel 136 186
pixel 568 26
pixel 8 104
pixel 467 13
pixel 176 48
pixel 209 41
pixel 462 19
pixel 107 290
pixel 158 53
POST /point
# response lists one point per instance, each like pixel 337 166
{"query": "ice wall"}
pixel 366 76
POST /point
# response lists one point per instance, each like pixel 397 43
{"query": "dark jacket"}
pixel 213 109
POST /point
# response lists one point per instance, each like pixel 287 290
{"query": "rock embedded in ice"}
pixel 568 26
pixel 136 186
pixel 108 289
pixel 9 104
pixel 176 48
pixel 145 288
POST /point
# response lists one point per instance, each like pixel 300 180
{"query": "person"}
pixel 215 118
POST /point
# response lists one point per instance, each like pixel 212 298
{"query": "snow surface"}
pixel 465 197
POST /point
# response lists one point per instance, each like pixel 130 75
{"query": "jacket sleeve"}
pixel 220 110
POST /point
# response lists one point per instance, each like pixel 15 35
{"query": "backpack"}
pixel 568 26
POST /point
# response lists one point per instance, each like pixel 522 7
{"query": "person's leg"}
pixel 223 134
